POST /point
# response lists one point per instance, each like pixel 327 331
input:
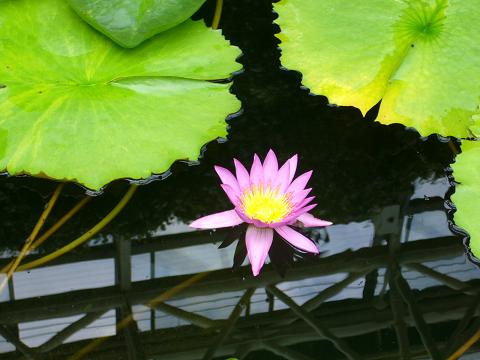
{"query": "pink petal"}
pixel 258 243
pixel 309 220
pixel 227 178
pixel 282 181
pixel 292 218
pixel 293 166
pixel 300 182
pixel 243 177
pixel 270 167
pixel 299 196
pixel 303 210
pixel 256 172
pixel 259 224
pixel 246 219
pixel 296 239
pixel 303 203
pixel 218 220
pixel 232 195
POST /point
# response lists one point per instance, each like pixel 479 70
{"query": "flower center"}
pixel 265 204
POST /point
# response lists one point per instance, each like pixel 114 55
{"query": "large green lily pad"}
pixel 422 57
pixel 130 22
pixel 76 106
pixel 467 192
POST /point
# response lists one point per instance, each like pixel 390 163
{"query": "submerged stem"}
pixel 462 349
pixel 60 222
pixel 10 268
pixel 217 15
pixel 86 236
pixel 128 319
pixel 55 227
pixel 453 148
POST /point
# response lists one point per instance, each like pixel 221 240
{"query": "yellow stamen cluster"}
pixel 265 204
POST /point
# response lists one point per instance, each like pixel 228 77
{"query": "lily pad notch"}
pixel 78 107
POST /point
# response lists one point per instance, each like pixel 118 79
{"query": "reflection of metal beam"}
pixel 466 340
pixel 324 295
pixel 229 325
pixel 123 263
pixel 319 328
pixel 243 350
pixel 123 279
pixel 399 313
pixel 71 329
pixel 417 352
pixel 191 317
pixel 92 300
pixel 158 243
pixel 131 334
pixel 8 335
pixel 397 305
pixel 416 206
pixel 416 313
pixel 285 352
pixel 443 278
pixel 175 241
pixel 462 325
pixel 344 317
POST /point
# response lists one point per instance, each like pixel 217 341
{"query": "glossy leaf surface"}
pixel 467 173
pixel 76 106
pixel 420 57
pixel 130 22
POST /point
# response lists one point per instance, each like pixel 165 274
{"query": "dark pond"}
pixel 391 275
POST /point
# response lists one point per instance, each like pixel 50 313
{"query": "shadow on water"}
pixel 392 282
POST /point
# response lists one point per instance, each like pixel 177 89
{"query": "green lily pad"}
pixel 130 22
pixel 467 192
pixel 76 106
pixel 422 57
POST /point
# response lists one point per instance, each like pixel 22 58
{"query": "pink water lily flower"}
pixel 268 199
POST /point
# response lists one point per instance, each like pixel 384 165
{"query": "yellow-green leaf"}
pixel 76 106
pixel 467 192
pixel 130 22
pixel 420 57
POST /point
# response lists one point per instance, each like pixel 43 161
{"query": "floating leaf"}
pixel 130 22
pixel 467 192
pixel 422 57
pixel 76 106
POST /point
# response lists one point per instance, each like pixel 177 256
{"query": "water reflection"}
pixel 57 308
pixel 393 281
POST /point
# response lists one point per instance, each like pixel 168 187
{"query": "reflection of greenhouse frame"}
pixel 433 309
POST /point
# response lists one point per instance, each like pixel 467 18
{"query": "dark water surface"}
pixel 391 274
